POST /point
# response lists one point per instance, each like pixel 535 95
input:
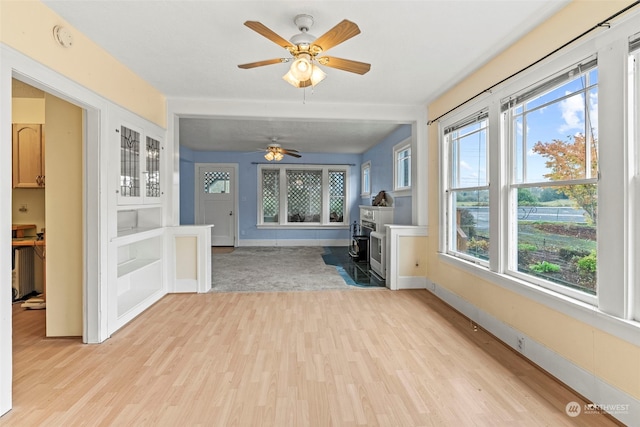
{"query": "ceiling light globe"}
pixel 317 75
pixel 269 156
pixel 302 68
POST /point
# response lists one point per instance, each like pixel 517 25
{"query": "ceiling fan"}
pixel 305 50
pixel 274 151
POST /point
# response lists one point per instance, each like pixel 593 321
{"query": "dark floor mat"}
pixel 354 273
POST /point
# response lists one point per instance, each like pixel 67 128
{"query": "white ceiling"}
pixel 190 49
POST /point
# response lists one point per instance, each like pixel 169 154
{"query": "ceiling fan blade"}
pixel 266 32
pixel 263 63
pixel 290 149
pixel 345 64
pixel 338 34
pixel 289 153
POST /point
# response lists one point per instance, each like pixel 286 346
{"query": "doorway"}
pixel 55 204
pixel 216 201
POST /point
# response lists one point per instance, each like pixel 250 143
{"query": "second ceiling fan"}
pixel 305 50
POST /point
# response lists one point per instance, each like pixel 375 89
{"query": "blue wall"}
pixel 248 187
pixel 381 158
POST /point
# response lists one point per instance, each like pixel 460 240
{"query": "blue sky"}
pixel 546 120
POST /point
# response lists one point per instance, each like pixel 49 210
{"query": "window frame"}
pixel 401 190
pixel 500 178
pixel 450 188
pixel 365 172
pixel 513 184
pixel 634 134
pixel 325 220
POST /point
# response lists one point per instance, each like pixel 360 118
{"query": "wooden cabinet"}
pixel 28 156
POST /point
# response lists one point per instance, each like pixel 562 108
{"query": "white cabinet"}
pixel 139 275
pixel 137 235
pixel 140 160
pixel 375 217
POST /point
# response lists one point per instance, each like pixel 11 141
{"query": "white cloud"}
pixel 464 165
pixel 519 127
pixel 572 113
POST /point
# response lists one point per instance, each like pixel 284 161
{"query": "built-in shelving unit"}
pixel 137 236
pixel 139 273
pixel 136 220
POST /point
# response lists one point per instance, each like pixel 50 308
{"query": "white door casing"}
pixel 216 200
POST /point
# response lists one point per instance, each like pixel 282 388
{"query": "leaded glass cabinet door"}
pixel 140 159
pixel 152 172
pixel 130 171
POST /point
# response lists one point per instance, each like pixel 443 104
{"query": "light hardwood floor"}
pixel 341 358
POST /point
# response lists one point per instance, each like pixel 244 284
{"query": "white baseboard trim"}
pixel 185 286
pixel 411 282
pixel 293 242
pixel 620 405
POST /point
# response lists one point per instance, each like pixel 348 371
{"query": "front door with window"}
pixel 216 201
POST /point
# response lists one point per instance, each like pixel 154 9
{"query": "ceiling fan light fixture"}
pixel 290 78
pixel 317 75
pixel 274 152
pixel 302 67
pixel 305 48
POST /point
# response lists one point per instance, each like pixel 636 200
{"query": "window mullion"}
pixel 324 203
pixel 284 199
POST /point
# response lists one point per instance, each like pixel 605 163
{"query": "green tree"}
pixel 551 194
pixel 526 197
pixel 567 160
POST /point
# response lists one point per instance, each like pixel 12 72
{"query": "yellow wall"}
pixel 27 26
pixel 412 259
pixel 63 204
pixel 610 358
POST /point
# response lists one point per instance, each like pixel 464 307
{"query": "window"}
pixel 634 133
pixel 270 195
pixel 302 196
pixel 402 167
pixel 216 182
pixel 552 133
pixel 467 195
pixel 365 179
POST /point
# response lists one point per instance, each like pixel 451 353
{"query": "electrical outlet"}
pixel 521 344
pixel 23 207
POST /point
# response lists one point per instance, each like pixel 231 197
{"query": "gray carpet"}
pixel 274 269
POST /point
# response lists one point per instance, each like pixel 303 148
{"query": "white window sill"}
pixel 579 310
pixel 403 192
